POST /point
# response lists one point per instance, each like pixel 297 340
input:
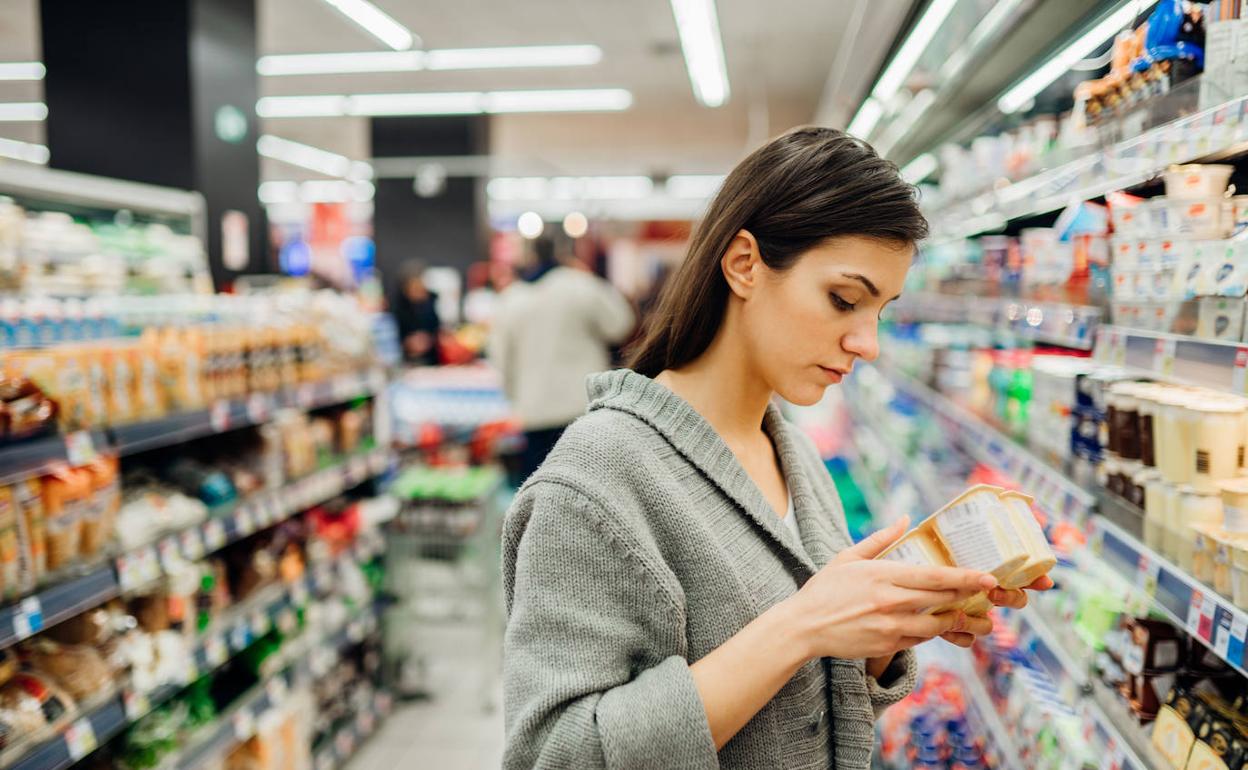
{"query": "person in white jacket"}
pixel 548 335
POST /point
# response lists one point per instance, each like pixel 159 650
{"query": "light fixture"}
pixel 900 126
pixel 1001 12
pixel 443 59
pixel 315 191
pixel 693 185
pixel 697 23
pixel 22 70
pixel 864 121
pixel 376 22
pixel 446 103
pixel 900 66
pixel 575 224
pixel 920 168
pixel 1021 94
pixel 570 188
pixel 530 224
pixel 31 153
pixel 18 112
pixel 303 155
pixel 513 56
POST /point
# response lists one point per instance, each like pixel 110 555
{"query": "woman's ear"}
pixel 742 264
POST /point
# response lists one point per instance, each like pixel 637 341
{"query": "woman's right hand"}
pixel 861 607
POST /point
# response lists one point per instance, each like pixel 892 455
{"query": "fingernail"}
pixel 960 623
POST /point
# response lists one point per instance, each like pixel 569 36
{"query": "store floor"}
pixel 460 727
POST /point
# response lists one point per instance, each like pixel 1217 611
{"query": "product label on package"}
pixel 80 739
pixel 1235 646
pixel 967 530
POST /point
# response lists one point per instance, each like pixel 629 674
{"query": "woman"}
pixel 680 586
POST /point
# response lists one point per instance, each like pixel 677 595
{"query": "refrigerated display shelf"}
pixel 1052 489
pixel 982 708
pixel 1212 133
pixel 1054 323
pixel 61 601
pixel 1175 357
pixel 227 638
pixel 347 739
pixel 1185 601
pixel 38 456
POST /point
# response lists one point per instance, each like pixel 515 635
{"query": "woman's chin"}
pixel 805 394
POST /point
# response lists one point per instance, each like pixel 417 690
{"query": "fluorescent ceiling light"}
pixel 22 70
pixel 900 126
pixel 17 112
pixel 412 61
pixel 570 188
pixel 301 106
pixel 446 103
pixel 315 191
pixel 376 22
pixel 920 168
pixel 31 153
pixel 693 185
pixel 278 192
pixel 337 63
pixel 566 100
pixel 313 158
pixel 1060 63
pixel 864 121
pixel 912 48
pixel 513 56
pixel 986 29
pixel 698 26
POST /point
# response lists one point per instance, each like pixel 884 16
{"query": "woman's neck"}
pixel 724 388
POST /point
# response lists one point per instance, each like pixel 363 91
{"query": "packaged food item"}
pixel 79 668
pixel 34 702
pixel 1196 181
pixel 149 395
pixel 32 531
pixel 66 496
pixel 10 564
pixel 122 383
pixel 1040 557
pixel 100 514
pixel 1217 435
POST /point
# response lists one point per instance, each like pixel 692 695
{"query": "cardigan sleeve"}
pixel 895 684
pixel 594 672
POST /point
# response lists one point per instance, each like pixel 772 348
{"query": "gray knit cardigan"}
pixel 641 546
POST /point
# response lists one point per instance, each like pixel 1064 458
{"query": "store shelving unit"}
pixel 1213 133
pixel 1053 323
pixel 1175 358
pixel 344 743
pixel 983 710
pixel 1053 490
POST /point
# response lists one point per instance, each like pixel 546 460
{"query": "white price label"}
pixel 1208 608
pixel 80 448
pixel 137 705
pixel 1163 357
pixel 244 724
pixel 150 561
pixel 219 416
pixel 192 543
pixel 80 739
pixel 129 571
pixel 259 407
pixel 169 554
pixel 214 535
pixel 215 650
pixel 245 519
pixel 28 620
pixel 275 509
pixel 1193 612
pixel 1222 634
pixel 1147 572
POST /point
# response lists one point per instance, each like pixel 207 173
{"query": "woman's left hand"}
pixel 1014 598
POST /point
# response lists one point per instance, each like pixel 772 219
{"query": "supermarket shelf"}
pixel 898 463
pixel 1174 357
pixel 1181 598
pixel 1128 517
pixel 1129 747
pixel 1054 323
pixel 1052 489
pixel 344 743
pixel 64 600
pixel 1213 133
pixel 980 703
pixel 35 457
pixel 56 186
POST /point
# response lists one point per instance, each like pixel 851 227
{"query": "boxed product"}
pixel 985 528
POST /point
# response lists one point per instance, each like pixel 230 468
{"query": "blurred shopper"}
pixel 417 315
pixel 681 587
pixel 549 334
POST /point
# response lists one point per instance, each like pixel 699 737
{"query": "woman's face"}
pixel 806 326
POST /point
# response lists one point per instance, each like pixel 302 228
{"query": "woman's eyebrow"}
pixel 864 281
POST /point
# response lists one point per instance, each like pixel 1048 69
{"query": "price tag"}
pixel 129 571
pixel 215 650
pixel 80 739
pixel 80 448
pixel 245 519
pixel 259 407
pixel 219 416
pixel 1163 357
pixel 1193 612
pixel 1208 606
pixel 1222 632
pixel 260 623
pixel 1239 630
pixel 244 724
pixel 276 688
pixel 240 637
pixel 150 561
pixel 28 619
pixel 214 535
pixel 168 553
pixel 1147 571
pixel 1239 383
pixel 192 543
pixel 137 705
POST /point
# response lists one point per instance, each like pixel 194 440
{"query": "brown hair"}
pixel 792 194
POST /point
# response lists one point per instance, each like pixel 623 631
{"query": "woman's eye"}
pixel 841 304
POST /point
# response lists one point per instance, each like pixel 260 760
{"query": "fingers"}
pixel 929 626
pixel 919 599
pixel 942 578
pixel 976 626
pixel 1042 583
pixel 959 638
pixel 875 544
pixel 1008 597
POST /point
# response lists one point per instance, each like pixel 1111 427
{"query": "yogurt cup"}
pixel 1217 436
pixel 1197 180
pixel 1040 558
pixel 1234 505
pixel 1239 573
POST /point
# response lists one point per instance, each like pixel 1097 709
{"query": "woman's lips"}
pixel 834 375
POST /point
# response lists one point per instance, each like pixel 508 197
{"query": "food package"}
pixel 32 530
pixel 25 409
pixel 10 544
pixel 79 668
pixel 983 529
pixel 150 401
pixel 30 702
pixel 105 501
pixel 66 498
pixel 122 391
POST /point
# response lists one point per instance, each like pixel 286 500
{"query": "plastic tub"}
pixel 1130 220
pixel 1203 218
pixel 1216 438
pixel 1185 538
pixel 1239 573
pixel 1234 505
pixel 1198 180
pixel 1204 552
pixel 1223 548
